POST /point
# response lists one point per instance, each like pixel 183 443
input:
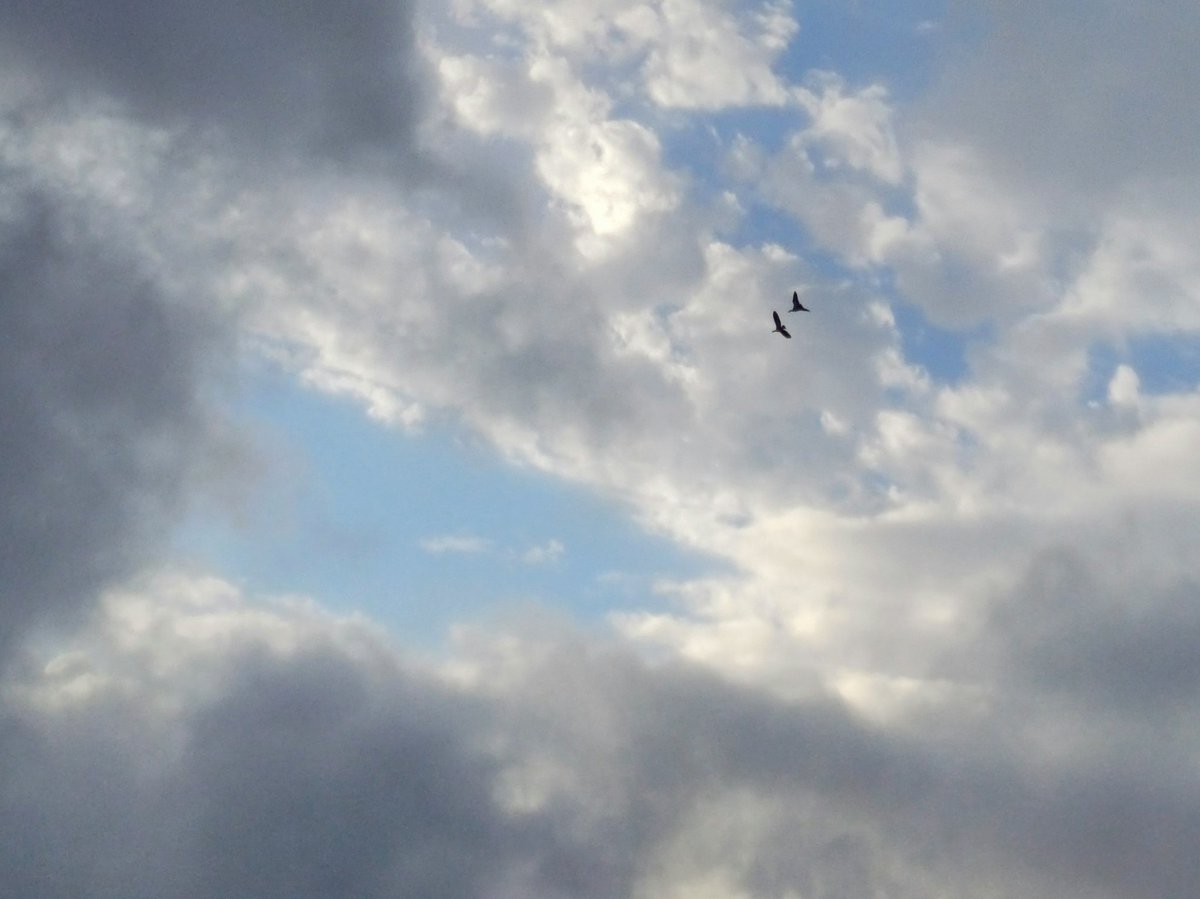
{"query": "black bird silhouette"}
pixel 797 306
pixel 779 327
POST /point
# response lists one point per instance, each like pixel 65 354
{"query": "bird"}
pixel 779 327
pixel 797 306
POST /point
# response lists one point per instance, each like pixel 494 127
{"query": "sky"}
pixel 404 493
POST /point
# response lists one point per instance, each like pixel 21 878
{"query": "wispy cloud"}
pixel 550 551
pixel 465 544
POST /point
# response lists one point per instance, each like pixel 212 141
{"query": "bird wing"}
pixel 778 323
pixel 784 332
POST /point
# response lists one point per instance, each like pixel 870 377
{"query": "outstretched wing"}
pixel 778 323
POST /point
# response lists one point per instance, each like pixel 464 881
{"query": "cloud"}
pixel 1118 644
pixel 296 757
pixel 464 543
pixel 1114 117
pixel 957 241
pixel 691 55
pixel 306 78
pixel 606 171
pixel 230 745
pixel 467 544
pixel 545 553
pixel 951 657
pixel 853 130
pixel 100 392
pixel 707 58
pixel 637 369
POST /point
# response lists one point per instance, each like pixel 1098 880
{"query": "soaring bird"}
pixel 779 327
pixel 797 306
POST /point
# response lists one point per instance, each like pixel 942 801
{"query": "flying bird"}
pixel 779 326
pixel 797 306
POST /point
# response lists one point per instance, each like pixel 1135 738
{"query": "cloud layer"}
pixel 953 658
pixel 277 749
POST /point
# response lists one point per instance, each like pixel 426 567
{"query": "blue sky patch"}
pixel 419 531
pixel 1165 363
pixel 896 44
pixel 940 351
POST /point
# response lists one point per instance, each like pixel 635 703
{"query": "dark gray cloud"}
pixel 321 772
pixel 306 75
pixel 279 753
pixel 1079 99
pixel 306 779
pixel 100 399
pixel 1123 645
pixel 305 774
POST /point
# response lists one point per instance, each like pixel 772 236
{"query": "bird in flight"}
pixel 797 306
pixel 779 326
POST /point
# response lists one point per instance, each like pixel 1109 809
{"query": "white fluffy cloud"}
pixel 689 54
pixel 605 171
pixel 704 56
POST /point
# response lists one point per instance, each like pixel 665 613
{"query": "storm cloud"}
pixel 193 743
pixel 302 76
pixel 100 393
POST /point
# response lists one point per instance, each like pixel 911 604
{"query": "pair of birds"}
pixel 797 306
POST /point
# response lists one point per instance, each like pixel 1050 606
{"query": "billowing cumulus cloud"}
pixel 688 54
pixel 194 743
